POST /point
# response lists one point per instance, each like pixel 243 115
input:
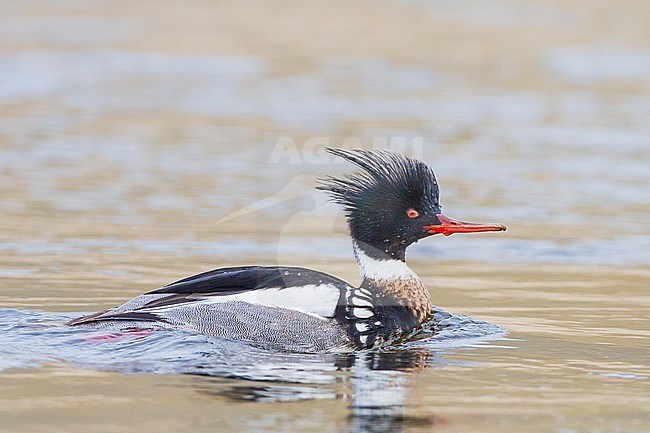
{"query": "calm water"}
pixel 143 142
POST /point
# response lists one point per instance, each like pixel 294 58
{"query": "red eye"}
pixel 412 213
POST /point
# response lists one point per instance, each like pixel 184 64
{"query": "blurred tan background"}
pixel 139 143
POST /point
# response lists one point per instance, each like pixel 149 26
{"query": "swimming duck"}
pixel 390 203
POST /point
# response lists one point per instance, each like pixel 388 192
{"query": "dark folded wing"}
pixel 300 289
pixel 245 278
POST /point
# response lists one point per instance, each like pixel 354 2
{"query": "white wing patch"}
pixel 319 300
pixel 316 300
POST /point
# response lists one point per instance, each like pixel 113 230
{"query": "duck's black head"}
pixel 392 203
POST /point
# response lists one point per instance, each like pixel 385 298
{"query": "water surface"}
pixel 143 142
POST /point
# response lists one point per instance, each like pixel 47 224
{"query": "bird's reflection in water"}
pixel 375 383
pixel 380 389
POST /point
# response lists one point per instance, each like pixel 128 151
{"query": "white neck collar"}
pixel 378 270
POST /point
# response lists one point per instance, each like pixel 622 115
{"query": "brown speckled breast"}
pixel 400 304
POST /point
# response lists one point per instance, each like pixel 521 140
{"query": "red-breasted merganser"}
pixel 390 204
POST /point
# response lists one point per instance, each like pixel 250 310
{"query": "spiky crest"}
pixel 376 198
pixel 393 175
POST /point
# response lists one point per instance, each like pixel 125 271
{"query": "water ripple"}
pixel 31 339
